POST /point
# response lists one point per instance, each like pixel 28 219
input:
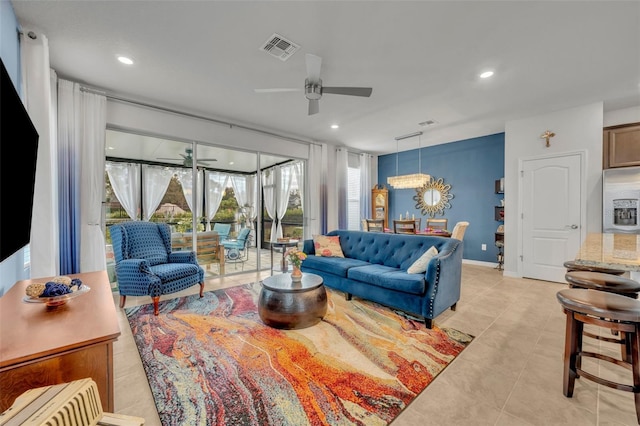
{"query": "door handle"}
pixel 572 226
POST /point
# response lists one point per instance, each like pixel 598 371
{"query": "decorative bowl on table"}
pixel 56 292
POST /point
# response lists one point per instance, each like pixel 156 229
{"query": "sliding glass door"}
pixel 198 188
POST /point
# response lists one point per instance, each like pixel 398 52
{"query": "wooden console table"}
pixel 42 346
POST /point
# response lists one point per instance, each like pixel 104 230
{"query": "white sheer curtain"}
pixel 125 181
pixel 94 123
pixel 365 186
pixel 283 188
pixel 215 183
pixel 155 180
pixel 39 93
pixel 241 189
pixel 297 175
pixel 269 191
pixel 69 166
pixel 252 197
pixel 342 181
pixel 186 180
pixel 239 185
pixel 316 173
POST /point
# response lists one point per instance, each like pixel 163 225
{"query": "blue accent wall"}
pixel 471 167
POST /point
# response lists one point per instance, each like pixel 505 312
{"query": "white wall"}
pixel 577 129
pixel 622 116
pixel 128 116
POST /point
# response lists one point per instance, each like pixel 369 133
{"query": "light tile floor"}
pixel 511 374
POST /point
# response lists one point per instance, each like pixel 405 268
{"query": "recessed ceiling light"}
pixel 125 60
pixel 486 74
pixel 110 148
pixel 335 126
pixel 231 163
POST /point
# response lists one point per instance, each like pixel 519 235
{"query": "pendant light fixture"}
pixel 409 181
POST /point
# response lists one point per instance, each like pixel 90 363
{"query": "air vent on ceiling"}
pixel 427 123
pixel 279 47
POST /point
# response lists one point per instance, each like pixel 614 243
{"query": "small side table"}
pixel 287 305
pixel 284 246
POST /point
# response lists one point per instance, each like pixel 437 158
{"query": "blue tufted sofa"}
pixel 375 268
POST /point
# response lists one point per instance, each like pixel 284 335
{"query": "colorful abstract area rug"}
pixel 212 361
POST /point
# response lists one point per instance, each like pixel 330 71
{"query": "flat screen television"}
pixel 18 155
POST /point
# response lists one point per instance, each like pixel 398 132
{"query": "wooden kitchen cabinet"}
pixel 621 146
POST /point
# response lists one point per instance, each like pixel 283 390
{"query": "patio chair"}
pixel 146 264
pixel 236 250
pixel 222 229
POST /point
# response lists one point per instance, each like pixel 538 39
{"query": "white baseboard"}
pixel 480 263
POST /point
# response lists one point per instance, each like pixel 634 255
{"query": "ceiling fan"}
pixel 313 88
pixel 187 158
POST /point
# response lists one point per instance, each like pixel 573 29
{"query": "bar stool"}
pixel 610 311
pixel 573 266
pixel 604 282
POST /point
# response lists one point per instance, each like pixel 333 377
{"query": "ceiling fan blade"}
pixel 314 106
pixel 173 159
pixel 313 68
pixel 351 91
pixel 274 90
pixel 205 160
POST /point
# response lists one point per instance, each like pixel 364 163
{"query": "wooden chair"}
pixel 410 226
pixel 374 225
pixel 208 247
pixel 437 224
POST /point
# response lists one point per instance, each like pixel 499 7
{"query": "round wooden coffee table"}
pixel 288 305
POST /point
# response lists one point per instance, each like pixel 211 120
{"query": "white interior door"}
pixel 551 215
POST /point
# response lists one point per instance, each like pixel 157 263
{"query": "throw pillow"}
pixel 327 246
pixel 420 265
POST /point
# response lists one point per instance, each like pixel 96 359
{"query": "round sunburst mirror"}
pixel 433 197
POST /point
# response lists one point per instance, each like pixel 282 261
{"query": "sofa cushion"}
pixel 388 277
pixel 174 271
pixel 332 265
pixel 327 246
pixel 420 265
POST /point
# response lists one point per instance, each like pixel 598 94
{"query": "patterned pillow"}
pixel 327 246
pixel 420 265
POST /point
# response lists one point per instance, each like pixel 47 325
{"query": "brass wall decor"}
pixel 547 135
pixel 433 197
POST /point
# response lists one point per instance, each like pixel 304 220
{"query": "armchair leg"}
pixel 428 322
pixel 347 296
pixel 453 307
pixel 202 289
pixel 122 300
pixel 156 301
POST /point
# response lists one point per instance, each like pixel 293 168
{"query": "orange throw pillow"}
pixel 327 246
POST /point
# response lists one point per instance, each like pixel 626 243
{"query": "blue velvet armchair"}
pixel 145 264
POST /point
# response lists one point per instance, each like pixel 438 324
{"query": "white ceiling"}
pixel 422 59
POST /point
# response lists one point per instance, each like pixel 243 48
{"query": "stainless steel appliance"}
pixel 621 200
